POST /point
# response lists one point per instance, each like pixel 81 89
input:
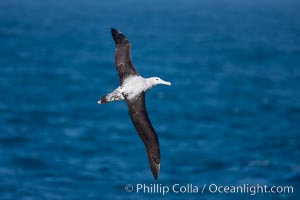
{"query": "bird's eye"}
pixel 156 79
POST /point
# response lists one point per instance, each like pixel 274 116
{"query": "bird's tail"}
pixel 102 100
pixel 119 38
pixel 116 95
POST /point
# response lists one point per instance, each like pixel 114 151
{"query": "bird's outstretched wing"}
pixel 139 117
pixel 123 60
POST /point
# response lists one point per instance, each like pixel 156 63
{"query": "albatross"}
pixel 132 89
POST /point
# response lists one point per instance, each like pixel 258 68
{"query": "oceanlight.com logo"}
pixel 207 188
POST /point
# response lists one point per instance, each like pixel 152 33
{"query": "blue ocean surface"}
pixel 230 118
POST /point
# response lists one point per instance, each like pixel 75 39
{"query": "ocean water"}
pixel 230 118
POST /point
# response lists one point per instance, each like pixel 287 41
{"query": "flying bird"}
pixel 132 89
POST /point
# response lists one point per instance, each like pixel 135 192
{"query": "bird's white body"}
pixel 132 87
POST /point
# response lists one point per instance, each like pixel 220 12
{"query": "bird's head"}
pixel 156 81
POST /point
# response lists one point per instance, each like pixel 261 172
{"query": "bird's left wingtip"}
pixel 118 36
pixel 113 30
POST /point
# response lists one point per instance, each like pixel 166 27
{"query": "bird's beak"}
pixel 166 83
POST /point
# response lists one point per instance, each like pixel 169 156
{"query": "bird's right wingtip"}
pixel 156 173
pixel 155 168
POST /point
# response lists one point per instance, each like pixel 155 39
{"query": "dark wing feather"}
pixel 123 60
pixel 139 117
